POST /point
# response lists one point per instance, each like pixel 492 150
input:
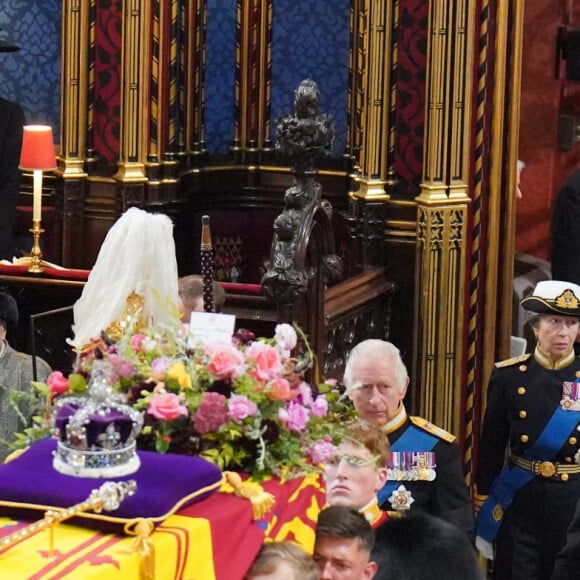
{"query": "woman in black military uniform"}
pixel 533 412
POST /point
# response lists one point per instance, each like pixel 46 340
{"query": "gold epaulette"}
pixel 433 429
pixel 512 361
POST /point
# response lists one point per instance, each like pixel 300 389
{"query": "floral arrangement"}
pixel 243 405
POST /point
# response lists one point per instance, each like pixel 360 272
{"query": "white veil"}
pixel 138 255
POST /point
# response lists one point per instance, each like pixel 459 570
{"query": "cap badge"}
pixel 567 300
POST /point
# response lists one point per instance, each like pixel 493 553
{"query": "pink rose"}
pixel 225 361
pixel 121 367
pixel 321 451
pixel 268 363
pixel 211 413
pixel 304 393
pixel 159 367
pixel 279 390
pixel 57 383
pixel 319 407
pixel 297 417
pixel 137 341
pixel 240 407
pixel 166 407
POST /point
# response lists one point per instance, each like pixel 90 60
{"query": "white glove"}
pixel 484 547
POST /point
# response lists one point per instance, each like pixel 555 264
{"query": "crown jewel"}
pixel 97 434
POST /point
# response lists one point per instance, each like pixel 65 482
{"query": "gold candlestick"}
pixel 36 252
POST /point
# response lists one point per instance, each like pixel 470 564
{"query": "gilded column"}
pixel 135 95
pixel 253 79
pixel 442 214
pixel 77 70
pixel 371 93
pixel 192 94
pixel 77 78
pixel 370 126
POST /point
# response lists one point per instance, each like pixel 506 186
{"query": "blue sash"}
pixel 511 479
pixel 413 439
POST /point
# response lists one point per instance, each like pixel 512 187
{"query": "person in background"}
pixel 343 545
pixel 423 547
pixel 16 375
pixel 283 561
pixel 190 290
pixel 565 231
pixel 424 468
pixel 11 123
pixel 533 414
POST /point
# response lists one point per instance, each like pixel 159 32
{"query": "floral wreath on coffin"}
pixel 244 404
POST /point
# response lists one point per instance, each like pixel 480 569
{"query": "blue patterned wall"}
pixel 219 76
pixel 311 40
pixel 31 76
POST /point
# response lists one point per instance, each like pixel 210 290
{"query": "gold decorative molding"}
pixel 442 216
pixel 192 93
pixel 74 107
pixel 371 94
pixel 253 76
pixel 135 92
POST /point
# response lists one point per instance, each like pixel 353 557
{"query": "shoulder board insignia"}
pixel 512 361
pixel 433 429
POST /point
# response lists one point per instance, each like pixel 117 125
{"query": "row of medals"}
pixel 410 466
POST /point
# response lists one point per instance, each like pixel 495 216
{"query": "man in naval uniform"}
pixel 533 413
pixel 424 469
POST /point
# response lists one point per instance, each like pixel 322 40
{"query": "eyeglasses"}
pixel 351 461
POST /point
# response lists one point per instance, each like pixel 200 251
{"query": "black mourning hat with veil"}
pixel 554 297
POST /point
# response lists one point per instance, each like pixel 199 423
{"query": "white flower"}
pixel 285 336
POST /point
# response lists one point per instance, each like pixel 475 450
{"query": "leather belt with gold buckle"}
pixel 546 469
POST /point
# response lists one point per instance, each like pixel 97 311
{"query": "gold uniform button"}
pixel 524 438
pixel 523 368
pixel 572 440
pixel 523 414
pixel 568 459
pixel 564 477
pixel 521 390
pixel 577 373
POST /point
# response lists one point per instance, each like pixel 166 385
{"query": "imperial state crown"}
pixel 96 434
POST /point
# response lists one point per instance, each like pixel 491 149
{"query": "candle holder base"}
pixel 36 253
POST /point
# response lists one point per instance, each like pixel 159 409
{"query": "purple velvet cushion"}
pixel 165 483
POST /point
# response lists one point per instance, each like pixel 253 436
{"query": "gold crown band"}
pixel 545 468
